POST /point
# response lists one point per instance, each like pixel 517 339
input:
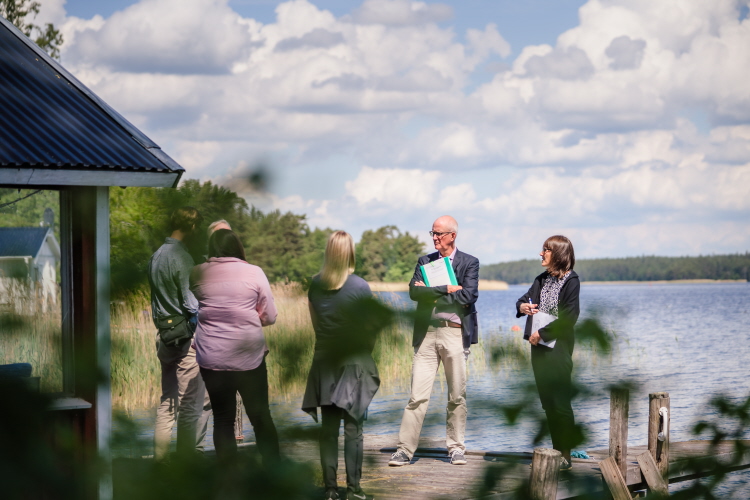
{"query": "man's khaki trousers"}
pixel 444 345
pixel 182 399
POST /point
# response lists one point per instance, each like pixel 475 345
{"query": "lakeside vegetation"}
pixel 291 341
pixel 136 375
pixel 646 268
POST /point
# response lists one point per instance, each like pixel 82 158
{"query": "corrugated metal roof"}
pixel 49 120
pixel 21 241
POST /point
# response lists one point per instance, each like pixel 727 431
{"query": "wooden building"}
pixel 29 259
pixel 56 134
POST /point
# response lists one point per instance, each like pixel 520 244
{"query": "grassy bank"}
pixel 34 339
pixel 135 369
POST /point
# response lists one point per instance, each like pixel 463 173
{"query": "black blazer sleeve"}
pixel 524 299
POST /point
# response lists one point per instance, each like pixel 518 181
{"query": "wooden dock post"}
pixel 659 448
pixel 619 404
pixel 545 470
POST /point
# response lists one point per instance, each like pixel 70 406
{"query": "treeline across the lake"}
pixel 282 243
pixel 646 268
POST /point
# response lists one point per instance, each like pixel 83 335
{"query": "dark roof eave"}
pixel 139 136
pixel 30 177
pixel 130 130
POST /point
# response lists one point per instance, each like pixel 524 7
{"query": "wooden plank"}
pixel 619 403
pixel 652 475
pixel 69 404
pixel 613 478
pixel 432 476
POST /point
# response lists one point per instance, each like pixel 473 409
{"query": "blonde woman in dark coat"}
pixel 343 378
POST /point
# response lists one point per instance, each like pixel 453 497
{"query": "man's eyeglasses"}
pixel 439 235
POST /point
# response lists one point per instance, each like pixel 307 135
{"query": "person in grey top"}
pixel 182 387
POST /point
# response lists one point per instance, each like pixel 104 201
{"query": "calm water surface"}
pixel 689 340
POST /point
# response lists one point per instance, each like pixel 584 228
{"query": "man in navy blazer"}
pixel 445 326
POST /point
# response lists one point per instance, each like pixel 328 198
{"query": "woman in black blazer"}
pixel 554 292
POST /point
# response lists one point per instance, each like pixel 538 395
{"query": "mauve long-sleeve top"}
pixel 235 304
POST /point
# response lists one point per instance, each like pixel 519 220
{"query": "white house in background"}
pixel 29 259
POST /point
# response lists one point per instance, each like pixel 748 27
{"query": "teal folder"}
pixel 441 272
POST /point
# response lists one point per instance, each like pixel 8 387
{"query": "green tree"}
pixel 28 212
pixel 280 243
pixel 386 254
pixel 139 222
pixel 21 13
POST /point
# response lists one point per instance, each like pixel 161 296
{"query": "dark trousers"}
pixel 552 371
pixel 329 447
pixel 222 387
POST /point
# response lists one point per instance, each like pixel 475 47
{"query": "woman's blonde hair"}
pixel 338 262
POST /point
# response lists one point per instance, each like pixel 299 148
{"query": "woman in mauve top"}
pixel 343 377
pixel 235 304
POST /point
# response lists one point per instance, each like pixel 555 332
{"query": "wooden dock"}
pixel 430 475
pixel 616 472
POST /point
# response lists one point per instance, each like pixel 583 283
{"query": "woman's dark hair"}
pixel 563 258
pixel 225 243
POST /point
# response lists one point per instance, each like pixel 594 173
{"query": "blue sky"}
pixel 624 124
pixel 522 23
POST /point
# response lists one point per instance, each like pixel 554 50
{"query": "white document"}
pixel 439 272
pixel 540 320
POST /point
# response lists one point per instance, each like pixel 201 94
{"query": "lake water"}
pixel 690 340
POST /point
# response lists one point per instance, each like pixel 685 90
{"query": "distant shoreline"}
pixel 381 286
pixel 489 285
pixel 662 282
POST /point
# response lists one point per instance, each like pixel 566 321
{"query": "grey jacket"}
pixel 169 277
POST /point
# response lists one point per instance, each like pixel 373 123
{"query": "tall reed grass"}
pixel 35 339
pixel 291 342
pixel 135 370
pixel 30 332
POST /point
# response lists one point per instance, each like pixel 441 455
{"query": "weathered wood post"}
pixel 619 405
pixel 654 479
pixel 659 416
pixel 545 470
pixel 618 488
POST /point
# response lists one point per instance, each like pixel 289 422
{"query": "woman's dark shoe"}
pixel 331 494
